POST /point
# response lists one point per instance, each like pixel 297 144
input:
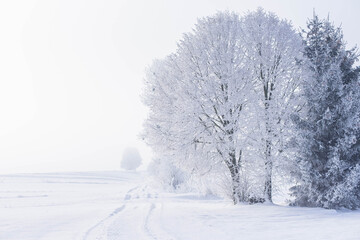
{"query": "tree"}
pixel 328 133
pixel 273 50
pixel 205 86
pixel 131 159
pixel 225 95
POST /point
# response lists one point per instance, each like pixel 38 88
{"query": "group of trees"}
pixel 246 103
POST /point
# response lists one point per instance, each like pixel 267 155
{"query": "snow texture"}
pixel 117 205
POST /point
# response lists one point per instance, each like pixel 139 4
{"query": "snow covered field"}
pixel 117 205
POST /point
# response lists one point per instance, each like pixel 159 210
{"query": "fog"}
pixel 71 72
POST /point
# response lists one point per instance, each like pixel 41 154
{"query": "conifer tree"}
pixel 328 139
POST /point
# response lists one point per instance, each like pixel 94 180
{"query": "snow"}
pixel 118 205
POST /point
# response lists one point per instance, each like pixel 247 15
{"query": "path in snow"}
pixel 117 205
pixel 137 218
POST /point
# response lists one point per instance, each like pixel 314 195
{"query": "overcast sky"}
pixel 71 72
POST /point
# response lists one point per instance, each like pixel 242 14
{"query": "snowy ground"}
pixel 117 205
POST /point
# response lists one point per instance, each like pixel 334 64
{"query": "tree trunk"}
pixel 268 132
pixel 234 167
pixel 268 172
pixel 235 185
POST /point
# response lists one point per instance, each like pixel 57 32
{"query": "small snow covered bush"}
pixel 167 175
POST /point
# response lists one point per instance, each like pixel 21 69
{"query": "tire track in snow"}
pixel 102 223
pixel 146 223
pixel 105 223
pixel 154 231
pixel 108 228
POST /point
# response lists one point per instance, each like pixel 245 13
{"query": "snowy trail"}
pixel 138 218
pixel 153 224
pixel 100 229
pixel 118 206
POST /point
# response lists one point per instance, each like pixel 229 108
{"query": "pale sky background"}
pixel 71 72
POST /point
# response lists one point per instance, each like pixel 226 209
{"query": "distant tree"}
pixel 328 133
pixel 131 159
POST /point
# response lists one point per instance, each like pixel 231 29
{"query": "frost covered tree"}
pixel 224 97
pixel 160 129
pixel 131 159
pixel 328 131
pixel 200 93
pixel 273 53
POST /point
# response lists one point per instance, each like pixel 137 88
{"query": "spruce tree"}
pixel 328 132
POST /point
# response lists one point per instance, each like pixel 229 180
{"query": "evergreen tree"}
pixel 328 133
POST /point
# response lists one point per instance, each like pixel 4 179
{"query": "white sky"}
pixel 71 72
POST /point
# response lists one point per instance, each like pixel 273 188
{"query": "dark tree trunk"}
pixel 234 167
pixel 268 172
